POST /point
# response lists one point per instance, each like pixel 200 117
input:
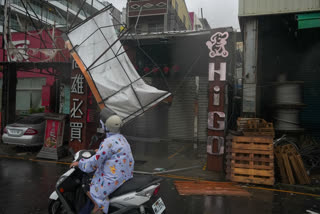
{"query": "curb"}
pixel 299 188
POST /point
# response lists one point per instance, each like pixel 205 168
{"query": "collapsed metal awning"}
pixel 112 78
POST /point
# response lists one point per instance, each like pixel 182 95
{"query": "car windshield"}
pixel 33 119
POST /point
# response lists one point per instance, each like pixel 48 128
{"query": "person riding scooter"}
pixel 113 164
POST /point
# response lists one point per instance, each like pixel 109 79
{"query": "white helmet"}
pixel 114 123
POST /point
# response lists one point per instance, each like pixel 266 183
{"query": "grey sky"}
pixel 220 13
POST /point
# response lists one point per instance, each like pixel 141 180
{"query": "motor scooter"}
pixel 137 195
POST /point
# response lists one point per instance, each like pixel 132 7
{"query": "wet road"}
pixel 26 185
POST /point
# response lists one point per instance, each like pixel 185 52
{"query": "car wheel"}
pixel 56 207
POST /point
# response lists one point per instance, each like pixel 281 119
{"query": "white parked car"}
pixel 28 131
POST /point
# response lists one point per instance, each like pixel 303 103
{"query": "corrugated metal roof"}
pixel 266 7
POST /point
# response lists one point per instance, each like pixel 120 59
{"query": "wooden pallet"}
pixel 254 176
pixel 297 164
pixel 253 143
pixel 252 160
pixel 242 123
pixel 287 166
pixel 256 124
pixel 251 164
pixel 256 153
pixel 291 166
pixel 255 127
pixel 259 132
pixel 281 165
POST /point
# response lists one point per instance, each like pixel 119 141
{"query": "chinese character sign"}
pixel 77 84
pixel 76 129
pixel 78 109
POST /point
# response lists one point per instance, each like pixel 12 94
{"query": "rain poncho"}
pixel 113 164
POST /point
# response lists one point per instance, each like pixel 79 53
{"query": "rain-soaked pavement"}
pixel 25 186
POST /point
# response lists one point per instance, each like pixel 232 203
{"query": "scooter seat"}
pixel 133 184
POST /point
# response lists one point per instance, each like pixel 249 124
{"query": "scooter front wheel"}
pixel 55 207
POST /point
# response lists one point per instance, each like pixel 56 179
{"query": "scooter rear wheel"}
pixel 55 207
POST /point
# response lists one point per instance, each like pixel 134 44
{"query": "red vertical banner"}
pixel 53 137
pixel 51 133
pixel 218 65
pixel 78 110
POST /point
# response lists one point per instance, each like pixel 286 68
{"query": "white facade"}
pixel 197 25
pixel 66 11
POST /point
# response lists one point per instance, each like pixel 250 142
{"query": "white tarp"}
pixel 115 77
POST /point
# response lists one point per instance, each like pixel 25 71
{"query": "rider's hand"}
pixel 74 164
pixel 96 150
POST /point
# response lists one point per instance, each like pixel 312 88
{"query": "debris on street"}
pixel 290 165
pixel 209 188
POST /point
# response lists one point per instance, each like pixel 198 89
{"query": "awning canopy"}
pixel 308 20
pixel 105 64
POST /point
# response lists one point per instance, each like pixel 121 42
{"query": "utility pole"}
pixel 3 35
pixel 8 107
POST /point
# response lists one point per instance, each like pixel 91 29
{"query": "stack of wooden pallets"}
pixel 252 160
pixel 291 166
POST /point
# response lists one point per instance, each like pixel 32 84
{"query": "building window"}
pixel 155 28
pixel 28 94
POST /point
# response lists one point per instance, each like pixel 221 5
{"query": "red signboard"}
pixel 218 58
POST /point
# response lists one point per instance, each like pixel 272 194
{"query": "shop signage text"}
pixel 217 84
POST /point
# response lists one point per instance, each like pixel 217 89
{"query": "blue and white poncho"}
pixel 113 165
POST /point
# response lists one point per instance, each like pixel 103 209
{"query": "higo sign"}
pixel 218 65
